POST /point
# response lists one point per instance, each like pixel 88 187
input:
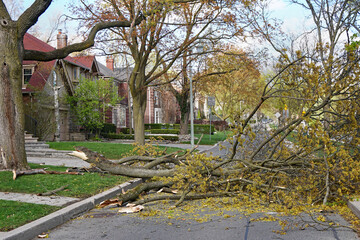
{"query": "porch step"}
pixel 29 138
pixel 36 145
pixel 36 148
pixel 48 152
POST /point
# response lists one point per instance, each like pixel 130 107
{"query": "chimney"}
pixel 61 40
pixel 110 63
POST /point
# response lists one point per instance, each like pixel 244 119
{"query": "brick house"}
pixel 42 78
pixel 42 81
pixel 122 113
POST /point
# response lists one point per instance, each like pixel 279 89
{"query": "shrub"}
pixel 164 131
pixel 108 128
pixel 125 130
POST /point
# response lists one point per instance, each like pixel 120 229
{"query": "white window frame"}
pixel 32 68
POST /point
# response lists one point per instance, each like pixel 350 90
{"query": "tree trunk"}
pixel 184 123
pixel 183 101
pixel 139 105
pixel 12 121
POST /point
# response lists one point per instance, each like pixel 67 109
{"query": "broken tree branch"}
pixel 51 192
pixel 40 171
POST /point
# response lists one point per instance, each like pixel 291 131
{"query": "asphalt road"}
pixel 108 224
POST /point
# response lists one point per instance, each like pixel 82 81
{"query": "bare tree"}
pixel 300 163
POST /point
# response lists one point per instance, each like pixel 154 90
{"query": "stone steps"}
pixel 35 148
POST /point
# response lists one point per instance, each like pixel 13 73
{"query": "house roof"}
pixel 101 69
pixel 33 43
pixel 42 69
pixel 106 72
pixel 87 61
pixel 123 74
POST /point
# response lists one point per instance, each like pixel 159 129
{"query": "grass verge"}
pixel 80 186
pixel 14 214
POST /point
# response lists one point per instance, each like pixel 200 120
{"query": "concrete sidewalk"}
pixel 33 229
pixel 33 198
pixel 67 162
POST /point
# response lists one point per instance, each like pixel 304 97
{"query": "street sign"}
pixel 211 101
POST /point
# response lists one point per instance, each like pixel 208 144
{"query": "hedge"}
pixel 108 128
pixel 163 137
pixel 198 128
pixel 128 136
pixel 125 130
pixel 118 136
pixel 150 126
pixel 164 131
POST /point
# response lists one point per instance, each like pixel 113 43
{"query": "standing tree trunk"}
pixel 182 98
pixel 139 94
pixel 12 53
pixel 184 123
pixel 12 142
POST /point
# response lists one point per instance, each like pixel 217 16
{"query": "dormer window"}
pixel 26 74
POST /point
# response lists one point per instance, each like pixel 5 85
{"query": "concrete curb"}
pixel 33 229
pixel 354 207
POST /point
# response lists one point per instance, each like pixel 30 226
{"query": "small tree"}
pixel 90 102
pixel 238 83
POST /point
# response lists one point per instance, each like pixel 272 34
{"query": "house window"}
pixel 158 115
pixel 119 116
pixel 27 73
pixel 76 73
pixel 156 96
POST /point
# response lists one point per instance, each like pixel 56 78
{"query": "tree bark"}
pixel 139 105
pixel 138 89
pixel 118 169
pixel 12 141
pixel 183 100
pixel 184 123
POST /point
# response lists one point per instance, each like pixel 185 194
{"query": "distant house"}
pixel 44 86
pixel 43 81
pixel 154 102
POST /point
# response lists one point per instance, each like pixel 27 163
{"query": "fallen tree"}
pixel 260 165
pixel 310 159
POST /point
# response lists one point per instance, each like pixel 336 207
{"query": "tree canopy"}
pixel 236 87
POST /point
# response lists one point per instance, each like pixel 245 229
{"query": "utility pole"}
pixel 56 107
pixel 191 113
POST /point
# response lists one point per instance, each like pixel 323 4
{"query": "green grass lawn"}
pixel 80 186
pixel 14 214
pixel 217 137
pixel 109 150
